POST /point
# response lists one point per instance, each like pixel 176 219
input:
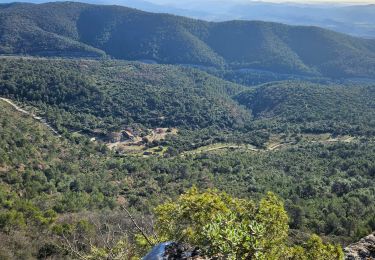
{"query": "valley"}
pixel 138 134
pixel 134 142
pixel 122 129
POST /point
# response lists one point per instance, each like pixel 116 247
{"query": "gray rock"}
pixel 364 249
pixel 157 252
pixel 173 251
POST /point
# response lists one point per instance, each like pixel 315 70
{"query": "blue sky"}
pixel 244 1
pixel 181 2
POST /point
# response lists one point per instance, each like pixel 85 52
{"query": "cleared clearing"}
pixel 137 146
pixel 276 142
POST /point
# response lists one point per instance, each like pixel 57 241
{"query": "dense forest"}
pixel 59 189
pixel 297 106
pixel 83 30
pixel 98 98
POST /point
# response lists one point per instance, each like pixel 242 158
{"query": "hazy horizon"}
pixel 272 1
pixel 354 17
pixel 173 3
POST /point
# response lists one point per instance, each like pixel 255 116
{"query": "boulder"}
pixel 173 251
pixel 157 252
pixel 364 249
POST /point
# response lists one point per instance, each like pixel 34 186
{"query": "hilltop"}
pixel 78 30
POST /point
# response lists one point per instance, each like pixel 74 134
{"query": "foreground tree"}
pixel 214 224
pixel 232 228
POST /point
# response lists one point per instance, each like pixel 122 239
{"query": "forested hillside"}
pixel 298 106
pixel 55 190
pixel 97 99
pixel 74 29
pixel 88 95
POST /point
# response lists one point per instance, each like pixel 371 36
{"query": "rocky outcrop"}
pixel 364 249
pixel 157 252
pixel 173 251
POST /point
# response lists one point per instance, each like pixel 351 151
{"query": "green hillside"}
pixel 96 97
pixel 108 96
pixel 74 29
pixel 307 107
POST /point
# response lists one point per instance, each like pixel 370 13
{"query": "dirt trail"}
pixel 223 146
pixel 41 120
pixel 274 147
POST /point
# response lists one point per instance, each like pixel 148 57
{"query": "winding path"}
pixel 38 118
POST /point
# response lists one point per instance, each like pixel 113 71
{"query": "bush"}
pixel 235 228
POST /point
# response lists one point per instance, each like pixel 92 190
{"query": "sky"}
pixel 173 2
pixel 297 1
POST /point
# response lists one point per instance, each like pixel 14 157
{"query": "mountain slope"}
pixel 309 107
pixel 73 28
pixel 26 36
pixel 110 95
pixel 94 96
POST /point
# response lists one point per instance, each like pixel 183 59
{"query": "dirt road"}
pixel 41 120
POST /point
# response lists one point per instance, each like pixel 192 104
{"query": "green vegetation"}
pixel 89 95
pixel 75 29
pixel 219 224
pixel 286 137
pixel 50 184
pixel 232 228
pixel 296 106
pixel 181 152
pixel 97 99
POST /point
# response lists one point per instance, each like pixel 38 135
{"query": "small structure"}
pixel 127 134
pixel 115 137
pixel 159 131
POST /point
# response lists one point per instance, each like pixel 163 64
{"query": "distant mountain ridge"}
pixel 354 19
pixel 77 29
